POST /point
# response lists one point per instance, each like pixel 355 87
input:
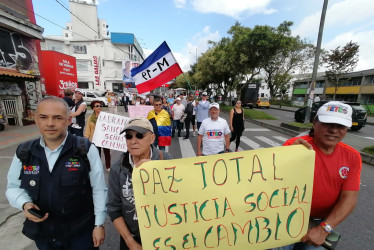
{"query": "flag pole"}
pixel 189 85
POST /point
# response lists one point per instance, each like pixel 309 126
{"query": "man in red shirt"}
pixel 336 174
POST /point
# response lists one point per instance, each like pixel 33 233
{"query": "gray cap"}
pixel 139 124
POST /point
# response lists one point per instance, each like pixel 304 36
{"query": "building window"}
pixel 66 35
pixel 79 49
pixel 370 79
pixel 67 27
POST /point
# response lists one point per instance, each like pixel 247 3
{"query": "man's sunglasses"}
pixel 98 106
pixel 137 135
pixel 157 104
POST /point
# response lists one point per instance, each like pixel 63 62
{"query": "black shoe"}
pixel 172 135
pixel 179 135
pixel 185 138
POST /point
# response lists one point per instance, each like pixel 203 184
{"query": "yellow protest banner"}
pixel 255 199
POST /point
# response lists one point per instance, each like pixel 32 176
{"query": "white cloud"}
pixel 179 3
pixel 366 42
pixel 270 11
pixel 197 46
pixel 339 14
pixel 233 8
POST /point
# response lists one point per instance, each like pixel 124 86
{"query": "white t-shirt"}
pixel 178 111
pixel 213 135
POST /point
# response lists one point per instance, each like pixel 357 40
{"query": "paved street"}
pixel 357 230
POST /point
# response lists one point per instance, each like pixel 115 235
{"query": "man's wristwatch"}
pixel 102 225
pixel 326 227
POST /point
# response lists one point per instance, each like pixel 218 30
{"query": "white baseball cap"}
pixel 214 105
pixel 178 99
pixel 205 93
pixel 335 112
pixel 79 90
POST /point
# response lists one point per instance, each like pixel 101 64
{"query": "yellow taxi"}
pixel 263 102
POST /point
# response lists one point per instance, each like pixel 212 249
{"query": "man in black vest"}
pixel 58 182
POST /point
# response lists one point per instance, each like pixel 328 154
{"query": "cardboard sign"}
pixel 139 111
pixel 107 131
pixel 257 199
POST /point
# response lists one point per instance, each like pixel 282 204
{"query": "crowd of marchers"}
pixel 58 180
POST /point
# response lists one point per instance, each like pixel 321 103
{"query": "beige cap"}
pixel 139 124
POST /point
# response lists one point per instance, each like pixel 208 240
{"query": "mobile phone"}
pixel 36 213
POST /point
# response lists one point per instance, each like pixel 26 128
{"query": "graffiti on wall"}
pixel 7 88
pixel 16 50
pixel 32 94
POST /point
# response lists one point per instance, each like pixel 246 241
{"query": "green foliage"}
pixel 369 150
pixel 250 113
pixel 301 125
pixel 340 61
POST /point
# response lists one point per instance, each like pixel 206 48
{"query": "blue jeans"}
pixel 176 125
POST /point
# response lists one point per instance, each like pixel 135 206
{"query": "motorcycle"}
pixel 2 123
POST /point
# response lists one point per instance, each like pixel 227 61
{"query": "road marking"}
pixel 233 146
pixel 256 129
pixel 6 157
pixel 268 141
pixel 250 143
pixel 281 138
pixel 186 148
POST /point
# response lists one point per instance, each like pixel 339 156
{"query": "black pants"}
pixel 187 123
pixel 236 135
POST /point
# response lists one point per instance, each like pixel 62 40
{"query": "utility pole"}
pixel 316 62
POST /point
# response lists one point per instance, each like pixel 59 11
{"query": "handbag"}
pixel 184 116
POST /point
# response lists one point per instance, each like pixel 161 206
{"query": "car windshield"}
pixel 357 107
pixel 264 99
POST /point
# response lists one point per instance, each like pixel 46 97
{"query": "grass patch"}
pixel 250 113
pixel 369 150
pixel 301 125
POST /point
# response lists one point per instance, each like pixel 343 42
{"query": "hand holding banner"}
pixel 255 199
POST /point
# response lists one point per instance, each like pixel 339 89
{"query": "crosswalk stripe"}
pixel 250 143
pixel 268 141
pixel 186 148
pixel 281 138
pixel 257 129
pixel 233 146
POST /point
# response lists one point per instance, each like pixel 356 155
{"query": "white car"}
pixel 93 95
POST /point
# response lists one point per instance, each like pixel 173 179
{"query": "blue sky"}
pixel 187 25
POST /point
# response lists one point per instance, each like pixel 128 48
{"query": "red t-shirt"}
pixel 332 173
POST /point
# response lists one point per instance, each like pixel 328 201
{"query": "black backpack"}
pixel 82 146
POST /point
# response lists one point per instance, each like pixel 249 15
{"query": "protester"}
pixel 137 101
pixel 125 101
pixel 202 109
pixel 90 129
pixel 177 112
pixel 171 100
pixel 236 123
pixel 121 203
pixel 336 173
pixel 189 111
pixel 66 184
pixel 150 100
pixel 142 102
pixel 193 118
pixel 183 99
pixel 160 120
pixel 112 102
pixel 68 97
pixel 78 113
pixel 214 133
pixel 165 105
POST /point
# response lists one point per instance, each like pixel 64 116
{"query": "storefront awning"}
pixel 14 73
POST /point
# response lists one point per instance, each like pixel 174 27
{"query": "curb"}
pixel 369 159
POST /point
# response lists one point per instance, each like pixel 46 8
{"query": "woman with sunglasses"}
pixel 121 203
pixel 236 123
pixel 90 129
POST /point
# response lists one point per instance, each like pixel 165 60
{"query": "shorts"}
pixel 193 120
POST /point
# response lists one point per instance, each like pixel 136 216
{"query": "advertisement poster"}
pixel 60 72
pixel 128 81
pixel 255 199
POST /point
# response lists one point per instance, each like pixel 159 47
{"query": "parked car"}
pixel 359 114
pixel 94 95
pixel 263 102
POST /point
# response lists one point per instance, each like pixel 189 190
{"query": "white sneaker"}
pixel 193 134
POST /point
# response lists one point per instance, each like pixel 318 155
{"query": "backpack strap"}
pixel 23 151
pixel 82 147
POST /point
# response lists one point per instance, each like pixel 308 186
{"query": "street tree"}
pixel 340 61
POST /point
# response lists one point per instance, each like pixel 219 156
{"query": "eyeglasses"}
pixel 157 104
pixel 137 135
pixel 98 106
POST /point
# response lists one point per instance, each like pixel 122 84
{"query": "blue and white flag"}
pixel 157 69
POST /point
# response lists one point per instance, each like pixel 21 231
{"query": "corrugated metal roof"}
pixel 14 73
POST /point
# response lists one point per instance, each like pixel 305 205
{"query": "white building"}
pixel 99 57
